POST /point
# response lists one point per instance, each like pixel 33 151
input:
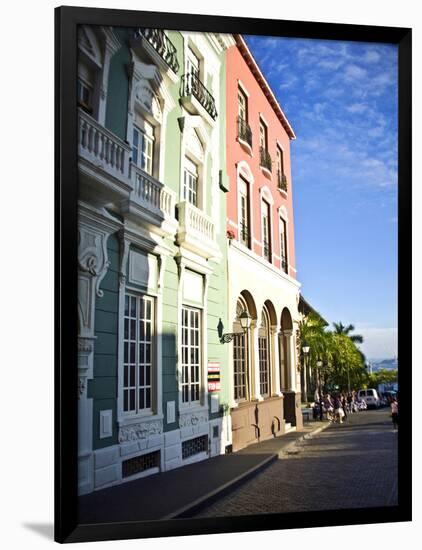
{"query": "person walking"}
pixel 394 412
pixel 338 410
pixel 344 405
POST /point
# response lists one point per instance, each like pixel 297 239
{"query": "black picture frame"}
pixel 67 528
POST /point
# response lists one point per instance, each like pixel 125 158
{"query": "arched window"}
pixel 240 355
pixel 264 353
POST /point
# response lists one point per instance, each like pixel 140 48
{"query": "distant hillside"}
pixel 387 364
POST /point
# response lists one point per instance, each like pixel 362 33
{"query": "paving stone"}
pixel 352 465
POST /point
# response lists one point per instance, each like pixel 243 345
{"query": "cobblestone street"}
pixel 352 465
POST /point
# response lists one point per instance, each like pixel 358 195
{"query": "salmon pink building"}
pixel 265 380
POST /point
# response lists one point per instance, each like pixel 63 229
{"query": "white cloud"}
pixel 353 72
pixel 357 108
pixel 371 56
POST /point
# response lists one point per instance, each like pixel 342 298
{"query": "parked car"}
pixel 361 405
pixel 370 396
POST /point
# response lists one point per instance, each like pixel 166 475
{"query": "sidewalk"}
pixel 184 491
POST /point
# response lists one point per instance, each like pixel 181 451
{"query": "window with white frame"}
pixel 263 139
pixel 283 245
pixel 280 162
pixel 240 356
pixel 85 93
pixel 138 353
pixel 192 71
pixel 242 102
pixel 244 223
pixel 143 146
pixel 264 354
pixel 190 182
pixel 191 354
pixel 266 239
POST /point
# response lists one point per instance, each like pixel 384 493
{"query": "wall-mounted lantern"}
pixel 245 322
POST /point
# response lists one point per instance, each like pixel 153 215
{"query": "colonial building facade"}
pixel 264 366
pixel 152 257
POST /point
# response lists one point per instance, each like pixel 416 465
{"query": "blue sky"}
pixel 341 99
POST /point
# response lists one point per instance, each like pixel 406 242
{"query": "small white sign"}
pixel 214 402
pixel 171 412
pixel 106 424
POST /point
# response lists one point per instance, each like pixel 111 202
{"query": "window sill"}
pixel 266 172
pixel 245 146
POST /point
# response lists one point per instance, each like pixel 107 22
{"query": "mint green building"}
pixel 152 258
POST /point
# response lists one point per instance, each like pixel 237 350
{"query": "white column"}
pixel 276 362
pixel 255 362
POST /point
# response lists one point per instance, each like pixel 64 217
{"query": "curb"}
pixel 209 498
pixel 303 437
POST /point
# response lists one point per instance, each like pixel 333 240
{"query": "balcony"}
pixel 265 160
pixel 244 236
pixel 151 203
pixel 284 265
pixel 281 181
pixel 196 231
pixel 266 250
pixel 161 44
pixel 244 134
pixel 195 97
pixel 103 161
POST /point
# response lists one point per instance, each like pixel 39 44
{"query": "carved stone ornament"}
pixel 143 430
pixel 85 345
pixel 192 419
pixel 92 255
pixel 81 387
pixel 147 99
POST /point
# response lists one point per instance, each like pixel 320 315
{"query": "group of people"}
pixel 339 405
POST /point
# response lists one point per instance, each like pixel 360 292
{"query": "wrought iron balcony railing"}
pixel 244 131
pixel 284 265
pixel 282 181
pixel 191 85
pixel 162 45
pixel 266 250
pixel 265 159
pixel 244 234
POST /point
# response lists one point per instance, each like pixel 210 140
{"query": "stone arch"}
pixel 250 302
pixel 286 320
pixel 244 170
pixel 271 312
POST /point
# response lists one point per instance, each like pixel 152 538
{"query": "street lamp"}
pixel 245 322
pixel 305 350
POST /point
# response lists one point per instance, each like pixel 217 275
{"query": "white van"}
pixel 370 396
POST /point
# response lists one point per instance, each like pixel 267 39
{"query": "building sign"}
pixel 214 376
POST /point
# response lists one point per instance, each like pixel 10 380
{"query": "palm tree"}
pixel 339 328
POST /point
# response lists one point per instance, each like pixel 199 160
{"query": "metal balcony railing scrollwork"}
pixel 244 234
pixel 244 131
pixel 266 250
pixel 282 181
pixel 265 159
pixel 191 85
pixel 162 45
